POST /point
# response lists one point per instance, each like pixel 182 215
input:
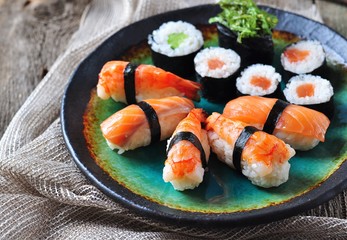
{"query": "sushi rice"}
pixel 308 89
pixel 268 80
pixel 230 62
pixel 309 63
pixel 159 40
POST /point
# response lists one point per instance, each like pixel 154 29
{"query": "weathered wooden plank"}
pixel 32 35
pixel 334 15
pixel 302 7
pixel 339 1
pixel 294 5
pixel 333 12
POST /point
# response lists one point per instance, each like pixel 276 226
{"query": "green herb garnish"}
pixel 175 39
pixel 245 18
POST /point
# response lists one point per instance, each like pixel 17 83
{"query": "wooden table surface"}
pixel 33 33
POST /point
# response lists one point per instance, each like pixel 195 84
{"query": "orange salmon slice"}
pixel 215 63
pixel 261 82
pixel 296 55
pixel 305 90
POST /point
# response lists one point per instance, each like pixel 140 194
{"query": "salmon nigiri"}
pixel 301 127
pixel 261 157
pixel 130 83
pixel 188 152
pixel 148 121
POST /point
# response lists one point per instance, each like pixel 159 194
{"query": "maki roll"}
pixel 246 29
pixel 312 92
pixel 261 157
pixel 304 57
pixel 187 152
pixel 259 80
pixel 174 46
pixel 216 69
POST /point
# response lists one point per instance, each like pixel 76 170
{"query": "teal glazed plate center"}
pixel 134 178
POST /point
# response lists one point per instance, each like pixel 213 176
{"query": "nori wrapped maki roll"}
pixel 246 29
pixel 252 50
pixel 259 80
pixel 174 46
pixel 304 57
pixel 311 91
pixel 216 69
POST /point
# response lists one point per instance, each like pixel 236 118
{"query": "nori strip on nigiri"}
pixel 274 116
pixel 129 82
pixel 153 121
pixel 189 136
pixel 240 144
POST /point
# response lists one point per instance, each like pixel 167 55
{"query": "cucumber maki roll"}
pixel 304 57
pixel 311 91
pixel 259 80
pixel 216 69
pixel 174 46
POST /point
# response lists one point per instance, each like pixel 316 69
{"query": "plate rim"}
pixel 263 215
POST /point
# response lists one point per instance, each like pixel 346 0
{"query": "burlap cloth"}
pixel 44 195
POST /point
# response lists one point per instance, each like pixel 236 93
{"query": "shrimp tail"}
pixel 189 88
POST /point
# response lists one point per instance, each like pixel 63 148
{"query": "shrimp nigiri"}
pixel 188 152
pixel 130 83
pixel 300 127
pixel 149 121
pixel 261 157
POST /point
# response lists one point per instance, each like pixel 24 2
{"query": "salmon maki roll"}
pixel 259 80
pixel 217 69
pixel 311 91
pixel 144 123
pixel 261 157
pixel 302 128
pixel 130 83
pixel 303 57
pixel 188 152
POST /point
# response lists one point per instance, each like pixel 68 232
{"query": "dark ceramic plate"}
pixel 225 197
